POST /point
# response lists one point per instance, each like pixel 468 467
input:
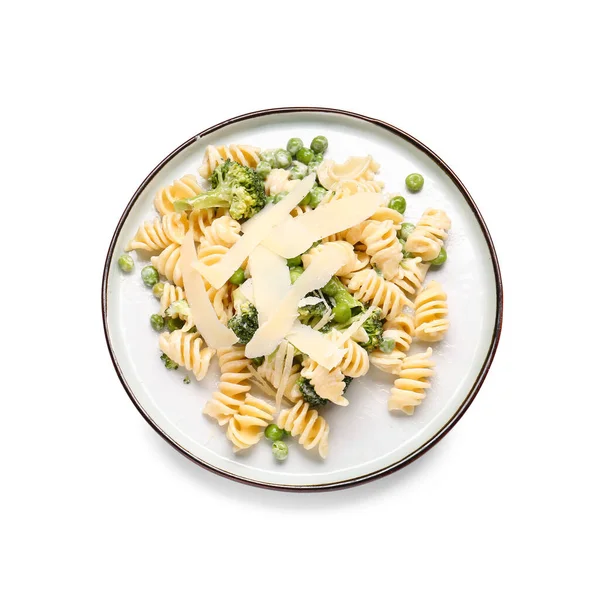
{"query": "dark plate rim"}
pixel 442 431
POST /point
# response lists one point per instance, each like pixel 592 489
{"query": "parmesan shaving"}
pixel 271 278
pixel 261 382
pixel 319 348
pixel 287 371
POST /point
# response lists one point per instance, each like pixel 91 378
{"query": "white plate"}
pixel 365 441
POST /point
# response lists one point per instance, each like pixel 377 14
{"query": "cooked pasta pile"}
pixel 300 274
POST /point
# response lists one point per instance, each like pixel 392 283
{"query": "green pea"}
pixel 387 345
pixel 318 157
pixel 316 194
pixel 186 380
pixel 273 433
pixel 398 203
pixel 414 182
pixel 280 450
pixel 238 277
pixel 319 144
pixel 298 170
pixel 313 165
pixel 174 323
pixel 293 145
pixel 279 197
pixel 331 288
pixel 268 156
pixel 150 276
pixel 158 289
pixel 157 322
pixel 405 230
pixel 263 168
pixel 283 159
pixel 125 263
pixel 305 155
pixel 295 272
pixel 295 262
pixel 341 312
pixel 440 259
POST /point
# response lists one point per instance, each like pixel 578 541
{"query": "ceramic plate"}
pixel 365 440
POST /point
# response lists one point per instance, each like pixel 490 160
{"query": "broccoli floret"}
pixel 310 312
pixel 245 322
pixel 179 308
pixel 169 364
pixel 309 394
pixel 337 290
pixel 235 186
pixel 374 328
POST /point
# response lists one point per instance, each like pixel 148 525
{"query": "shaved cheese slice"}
pixel 309 301
pixel 261 227
pixel 247 289
pixel 285 376
pixel 271 281
pixel 318 347
pixel 348 333
pixel 319 272
pixel 203 313
pixel 297 235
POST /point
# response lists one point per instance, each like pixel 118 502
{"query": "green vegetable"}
pixel 173 323
pixel 341 312
pixel 235 187
pixel 238 277
pixel 315 196
pixel 387 345
pixel 158 288
pixel 319 144
pixel 440 259
pixel 244 322
pixel 374 328
pixel 298 170
pixel 263 168
pixel 268 156
pixel 305 155
pixel 273 433
pixel 405 230
pixel 149 275
pixel 311 314
pixel 178 308
pixel 295 262
pixel 308 393
pixel 186 379
pixel 414 182
pixel 169 364
pixel 157 322
pixel 295 272
pixel 125 263
pixel 259 360
pixel 293 145
pixel 280 450
pixel 337 290
pixel 313 165
pixel 318 157
pixel 283 159
pixel 279 197
pixel 398 203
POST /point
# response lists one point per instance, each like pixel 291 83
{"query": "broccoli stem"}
pixel 211 199
pixel 337 290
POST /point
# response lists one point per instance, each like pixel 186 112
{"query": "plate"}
pixel 365 441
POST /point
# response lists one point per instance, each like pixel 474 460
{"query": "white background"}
pixel 95 504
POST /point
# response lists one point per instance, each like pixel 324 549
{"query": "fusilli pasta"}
pixel 312 429
pixel 354 262
pixel 239 153
pixel 180 189
pixel 233 385
pixel 410 387
pixel 200 220
pixel 383 213
pixel 278 180
pixel 428 237
pixel 186 350
pixel 351 187
pixel 411 275
pixel 431 313
pixel 171 293
pixel 328 384
pixel 246 427
pixel 355 362
pixel 158 234
pixel 358 168
pixel 223 231
pixel 400 330
pixel 272 371
pixel 167 264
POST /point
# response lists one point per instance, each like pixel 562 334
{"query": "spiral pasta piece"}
pixel 328 384
pixel 411 275
pixel 159 233
pixel 300 210
pixel 383 213
pixel 431 313
pixel 367 286
pixel 358 168
pixel 351 187
pixel 273 371
pixel 312 429
pixel 278 180
pixel 221 300
pixel 381 244
pixel 428 237
pixel 233 385
pixel 400 330
pixel 354 262
pixel 223 231
pixel 180 189
pixel 246 427
pixel 411 386
pixel 171 293
pixel 239 153
pixel 211 255
pixel 186 350
pixel 167 264
pixel 201 219
pixel 355 362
